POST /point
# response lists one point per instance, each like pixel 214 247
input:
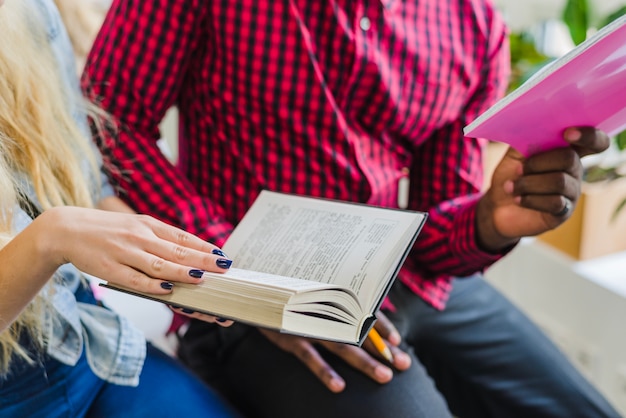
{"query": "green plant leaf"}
pixel 596 173
pixel 616 14
pixel 525 59
pixel 576 17
pixel 618 209
pixel 620 141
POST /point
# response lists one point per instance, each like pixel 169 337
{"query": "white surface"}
pixel 608 272
pixel 580 304
pixel 151 317
pixel 521 15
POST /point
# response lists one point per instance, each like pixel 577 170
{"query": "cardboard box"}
pixel 592 231
pixel 493 154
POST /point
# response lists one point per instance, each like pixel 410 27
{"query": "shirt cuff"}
pixel 463 242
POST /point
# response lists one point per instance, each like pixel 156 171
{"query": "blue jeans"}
pixel 480 357
pixel 52 390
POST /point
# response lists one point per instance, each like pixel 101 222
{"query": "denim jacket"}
pixel 114 348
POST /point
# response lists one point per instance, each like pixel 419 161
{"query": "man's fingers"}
pixel 587 140
pixel 222 322
pixel 386 329
pixel 304 351
pixel 309 355
pixel 362 361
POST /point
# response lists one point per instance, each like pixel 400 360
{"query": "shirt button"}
pixel 365 23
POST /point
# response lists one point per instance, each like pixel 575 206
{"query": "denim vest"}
pixel 114 348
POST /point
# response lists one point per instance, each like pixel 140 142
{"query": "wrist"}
pixel 47 229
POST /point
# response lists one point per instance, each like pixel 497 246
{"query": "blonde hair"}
pixel 39 138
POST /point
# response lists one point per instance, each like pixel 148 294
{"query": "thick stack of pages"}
pixel 305 266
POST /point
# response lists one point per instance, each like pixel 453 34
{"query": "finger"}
pixel 179 236
pixel 137 280
pixel 587 140
pixel 160 268
pixel 177 246
pixel 555 205
pixel 568 205
pixel 400 359
pixel 556 183
pixel 172 253
pixel 222 322
pixel 216 261
pixel 184 248
pixel 160 258
pixel 312 359
pixel 203 317
pixel 386 329
pixel 362 361
pixel 304 351
pixel 558 160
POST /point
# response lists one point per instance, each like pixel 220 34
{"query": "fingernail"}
pixel 167 285
pixel 383 373
pixel 187 311
pixel 402 359
pixel 337 384
pixel 223 263
pixel 195 273
pixel 219 252
pixel 394 338
pixel 222 320
pixel 572 135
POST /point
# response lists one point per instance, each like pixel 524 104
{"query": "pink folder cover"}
pixel 586 87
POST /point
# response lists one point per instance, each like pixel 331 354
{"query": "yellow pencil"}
pixel 380 345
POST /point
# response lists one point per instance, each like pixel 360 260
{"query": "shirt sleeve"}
pixel 135 71
pixel 447 177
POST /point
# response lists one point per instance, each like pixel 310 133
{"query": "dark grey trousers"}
pixel 480 357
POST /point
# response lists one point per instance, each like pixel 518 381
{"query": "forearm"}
pixel 27 262
pixel 450 191
pixel 447 245
pixel 144 178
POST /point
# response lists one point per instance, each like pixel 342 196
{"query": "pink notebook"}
pixel 585 87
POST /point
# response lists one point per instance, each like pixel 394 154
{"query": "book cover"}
pixel 585 87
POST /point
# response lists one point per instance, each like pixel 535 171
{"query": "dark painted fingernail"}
pixel 219 252
pixel 221 320
pixel 196 273
pixel 187 311
pixel 167 285
pixel 223 263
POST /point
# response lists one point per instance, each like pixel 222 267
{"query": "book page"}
pixel 269 280
pixel 320 240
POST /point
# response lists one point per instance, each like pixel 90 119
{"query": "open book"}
pixel 585 87
pixel 306 266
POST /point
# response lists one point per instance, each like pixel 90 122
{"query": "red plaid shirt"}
pixel 332 98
